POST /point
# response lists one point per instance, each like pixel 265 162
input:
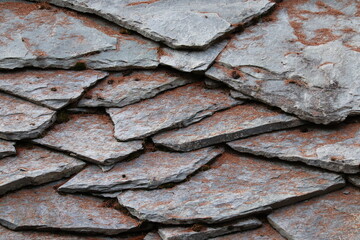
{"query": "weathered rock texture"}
pixel 179 24
pixel 179 107
pixel 303 59
pixel 121 89
pixel 43 208
pixel 235 186
pixel 335 148
pixel 202 232
pixel 237 122
pixel 152 236
pixel 54 89
pixel 34 166
pixel 20 119
pixel 150 170
pixel 333 216
pixel 354 180
pixel 90 137
pixel 6 148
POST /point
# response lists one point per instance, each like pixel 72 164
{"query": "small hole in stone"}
pixel 123 176
pixel 235 75
pixel 53 89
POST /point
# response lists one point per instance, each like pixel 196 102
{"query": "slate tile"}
pixel 7 148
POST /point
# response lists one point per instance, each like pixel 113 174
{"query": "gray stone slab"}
pixel 6 148
pixel 123 88
pixel 355 180
pixel 150 170
pixel 34 166
pixel 239 95
pixel 332 216
pixel 334 148
pixel 20 119
pixel 42 208
pixel 303 59
pixel 178 24
pixel 152 236
pixel 235 186
pixel 179 107
pixel 203 232
pixel 53 89
pixel 89 137
pixel 237 122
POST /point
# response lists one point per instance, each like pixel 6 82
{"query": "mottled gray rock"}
pixel 178 24
pixel 152 236
pixel 239 95
pixel 333 216
pixel 334 148
pixel 33 166
pixel 121 89
pixel 20 119
pixel 237 122
pixel 53 89
pixel 150 170
pixel 202 232
pixel 89 137
pixel 179 107
pixel 235 186
pixel 43 208
pixel 355 180
pixel 304 59
pixel 6 148
pixel 213 84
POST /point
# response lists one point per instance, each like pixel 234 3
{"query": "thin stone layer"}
pixel 20 119
pixel 152 236
pixel 355 180
pixel 6 148
pixel 237 122
pixel 334 148
pixel 303 58
pixel 150 170
pixel 89 137
pixel 42 208
pixel 34 166
pixel 235 186
pixel 332 216
pixel 53 89
pixel 176 108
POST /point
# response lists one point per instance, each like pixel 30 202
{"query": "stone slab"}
pixel 237 122
pixel 239 95
pixel 20 119
pixel 89 137
pixel 124 88
pixel 332 216
pixel 150 170
pixel 303 59
pixel 176 108
pixel 53 89
pixel 34 166
pixel 42 208
pixel 7 148
pixel 355 180
pixel 152 236
pixel 334 148
pixel 235 186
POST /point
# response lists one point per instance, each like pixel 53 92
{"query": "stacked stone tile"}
pixel 179 119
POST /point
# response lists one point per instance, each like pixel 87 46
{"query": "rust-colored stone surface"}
pixel 6 148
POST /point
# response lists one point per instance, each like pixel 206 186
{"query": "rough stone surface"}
pixel 90 137
pixel 237 122
pixel 179 107
pixel 333 216
pixel 235 186
pixel 239 95
pixel 181 24
pixel 54 89
pixel 152 236
pixel 212 84
pixel 205 232
pixel 303 59
pixel 20 119
pixel 355 180
pixel 121 89
pixel 150 170
pixel 334 148
pixel 6 148
pixel 43 208
pixel 33 166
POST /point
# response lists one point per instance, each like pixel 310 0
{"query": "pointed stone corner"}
pixel 308 69
pixel 47 210
pixel 334 148
pixel 176 108
pixel 20 119
pixel 337 213
pixel 238 95
pixel 34 166
pixel 7 148
pixel 89 137
pixel 237 122
pixel 237 192
pixel 203 232
pixel 355 180
pixel 150 170
pixel 152 236
pixel 53 89
pixel 124 88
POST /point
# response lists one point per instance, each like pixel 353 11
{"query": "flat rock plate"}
pixel 6 148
